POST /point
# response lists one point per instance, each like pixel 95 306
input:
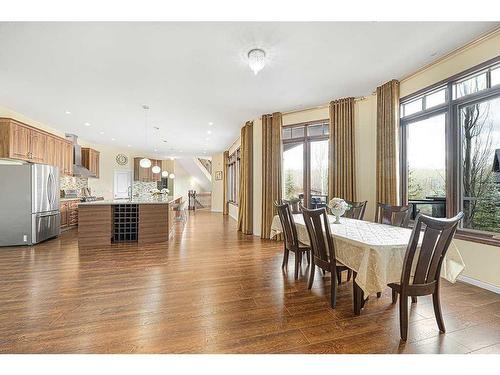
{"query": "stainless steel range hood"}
pixel 78 169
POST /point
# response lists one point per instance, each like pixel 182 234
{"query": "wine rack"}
pixel 125 222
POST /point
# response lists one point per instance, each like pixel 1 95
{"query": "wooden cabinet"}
pixel 38 146
pixel 146 174
pixel 23 142
pixel 19 141
pixel 90 160
pixel 69 213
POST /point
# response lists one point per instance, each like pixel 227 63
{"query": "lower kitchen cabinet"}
pixel 69 214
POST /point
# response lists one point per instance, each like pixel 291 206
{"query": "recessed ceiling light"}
pixel 172 157
pixel 113 139
pixel 68 112
pixel 129 145
pixel 101 133
pixel 156 150
pixel 181 151
pixel 87 124
pixel 209 132
pixel 210 123
pixel 207 139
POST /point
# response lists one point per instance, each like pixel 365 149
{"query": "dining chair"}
pixel 398 216
pixel 356 210
pixel 295 205
pixel 323 249
pixel 424 280
pixel 291 239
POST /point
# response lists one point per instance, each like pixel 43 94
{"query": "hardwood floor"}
pixel 212 290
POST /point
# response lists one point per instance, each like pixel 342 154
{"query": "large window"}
pixel 305 163
pixel 450 151
pixel 233 177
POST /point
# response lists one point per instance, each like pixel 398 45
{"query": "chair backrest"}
pixel 356 210
pixel 294 205
pixel 398 216
pixel 320 237
pixel 288 225
pixel 437 236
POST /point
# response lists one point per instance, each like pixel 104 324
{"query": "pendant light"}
pixel 171 176
pixel 164 174
pixel 156 169
pixel 145 162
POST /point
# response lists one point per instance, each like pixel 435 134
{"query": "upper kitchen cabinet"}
pixel 90 160
pixel 23 142
pixel 146 174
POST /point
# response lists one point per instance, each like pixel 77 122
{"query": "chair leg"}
pixel 308 254
pixel 394 296
pixel 379 294
pixel 339 276
pixel 297 264
pixel 413 299
pixel 349 275
pixel 437 310
pixel 403 316
pixel 285 258
pixel 311 275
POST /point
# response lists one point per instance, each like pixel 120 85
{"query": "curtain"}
pixel 225 209
pixel 271 169
pixel 245 208
pixel 388 143
pixel 341 163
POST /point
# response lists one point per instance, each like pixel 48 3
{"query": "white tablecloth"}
pixel 375 251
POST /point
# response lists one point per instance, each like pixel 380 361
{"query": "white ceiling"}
pixel 191 74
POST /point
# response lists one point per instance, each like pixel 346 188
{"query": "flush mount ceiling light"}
pixel 156 169
pixel 256 60
pixel 145 162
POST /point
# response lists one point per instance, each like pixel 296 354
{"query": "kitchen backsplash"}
pixel 67 182
pixel 142 189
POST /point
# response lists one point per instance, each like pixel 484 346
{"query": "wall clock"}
pixel 121 159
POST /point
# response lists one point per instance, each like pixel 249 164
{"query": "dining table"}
pixel 374 252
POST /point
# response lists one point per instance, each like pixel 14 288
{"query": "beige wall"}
pixel 184 182
pixel 233 211
pixel 217 186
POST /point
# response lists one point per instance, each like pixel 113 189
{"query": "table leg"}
pixel 358 297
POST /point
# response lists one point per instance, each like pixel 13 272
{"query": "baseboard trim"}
pixel 216 211
pixel 480 284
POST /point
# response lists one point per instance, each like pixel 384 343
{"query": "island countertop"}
pixel 153 200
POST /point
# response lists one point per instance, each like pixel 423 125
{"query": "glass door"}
pixel 318 166
pixel 293 172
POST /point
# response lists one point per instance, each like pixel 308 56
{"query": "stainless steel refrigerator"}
pixel 29 204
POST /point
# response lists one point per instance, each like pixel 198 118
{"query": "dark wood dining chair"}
pixel 295 205
pixel 398 216
pixel 323 249
pixel 356 210
pixel 291 239
pixel 437 235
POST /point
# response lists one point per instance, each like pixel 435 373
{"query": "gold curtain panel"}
pixel 271 169
pixel 341 163
pixel 225 209
pixel 245 208
pixel 387 142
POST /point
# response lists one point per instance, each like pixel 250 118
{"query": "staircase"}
pixel 207 164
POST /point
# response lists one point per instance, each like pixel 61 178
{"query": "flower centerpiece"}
pixel 338 207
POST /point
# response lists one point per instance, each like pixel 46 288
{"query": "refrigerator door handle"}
pixel 49 189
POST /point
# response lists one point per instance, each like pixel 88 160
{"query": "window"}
pixel 450 152
pixel 305 163
pixel 429 100
pixel 479 165
pixel 233 177
pixel 426 156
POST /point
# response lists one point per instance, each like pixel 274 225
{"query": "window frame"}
pixel 452 140
pixel 306 141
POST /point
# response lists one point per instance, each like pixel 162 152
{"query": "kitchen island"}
pixel 102 223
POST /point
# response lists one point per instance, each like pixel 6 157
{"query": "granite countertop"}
pixel 152 200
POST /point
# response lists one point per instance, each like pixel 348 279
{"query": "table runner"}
pixel 375 251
